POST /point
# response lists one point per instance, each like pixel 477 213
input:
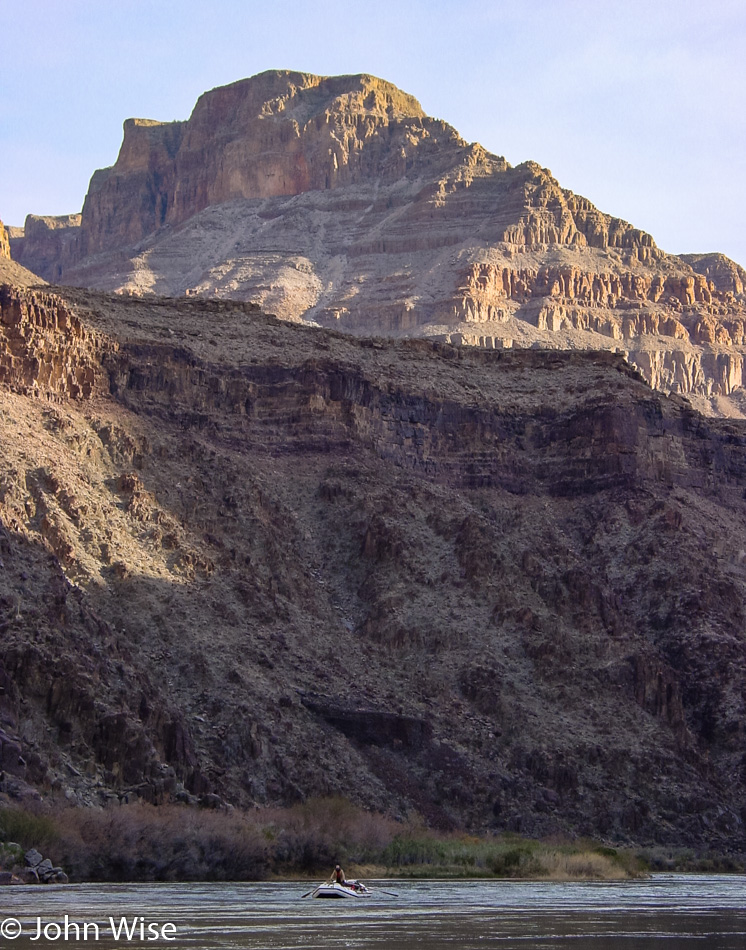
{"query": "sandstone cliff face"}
pixel 726 275
pixel 48 244
pixel 280 133
pixel 681 332
pixel 44 348
pixel 528 572
pixel 336 200
pixel 4 242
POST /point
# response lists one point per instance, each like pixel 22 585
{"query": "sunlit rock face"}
pixel 44 349
pixel 337 200
pixel 4 242
pixel 47 243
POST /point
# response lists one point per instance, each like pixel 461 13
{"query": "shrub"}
pixel 322 831
pixel 11 854
pixel 515 861
pixel 30 830
pixel 166 843
pixel 142 842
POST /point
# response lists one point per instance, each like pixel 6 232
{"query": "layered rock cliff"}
pixel 726 275
pixel 338 201
pixel 44 348
pixel 255 562
pixel 47 243
pixel 4 242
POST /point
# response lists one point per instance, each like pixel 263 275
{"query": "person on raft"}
pixel 338 876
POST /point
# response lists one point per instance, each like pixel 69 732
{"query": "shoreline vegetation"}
pixel 141 842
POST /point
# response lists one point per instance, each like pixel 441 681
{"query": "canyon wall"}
pixel 281 133
pixel 47 244
pixel 528 572
pixel 682 332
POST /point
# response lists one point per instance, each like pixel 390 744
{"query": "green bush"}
pixel 407 850
pixel 606 852
pixel 11 854
pixel 28 829
pixel 514 862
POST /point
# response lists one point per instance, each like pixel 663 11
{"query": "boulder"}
pixel 44 868
pixel 33 858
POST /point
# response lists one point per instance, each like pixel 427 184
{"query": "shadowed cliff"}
pixel 250 562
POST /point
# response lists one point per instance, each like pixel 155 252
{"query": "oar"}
pixel 312 891
pixel 388 893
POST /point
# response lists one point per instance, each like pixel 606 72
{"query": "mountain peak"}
pixel 278 91
pixel 337 200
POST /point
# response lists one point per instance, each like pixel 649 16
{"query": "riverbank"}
pixel 140 842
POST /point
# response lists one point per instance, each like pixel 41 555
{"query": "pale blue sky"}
pixel 640 105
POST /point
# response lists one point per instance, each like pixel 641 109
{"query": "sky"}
pixel 639 105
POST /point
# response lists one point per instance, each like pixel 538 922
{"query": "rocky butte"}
pixel 336 200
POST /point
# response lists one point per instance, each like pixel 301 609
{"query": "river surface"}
pixel 666 912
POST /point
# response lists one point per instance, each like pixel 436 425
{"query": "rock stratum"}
pixel 339 201
pixel 244 561
pixel 4 243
